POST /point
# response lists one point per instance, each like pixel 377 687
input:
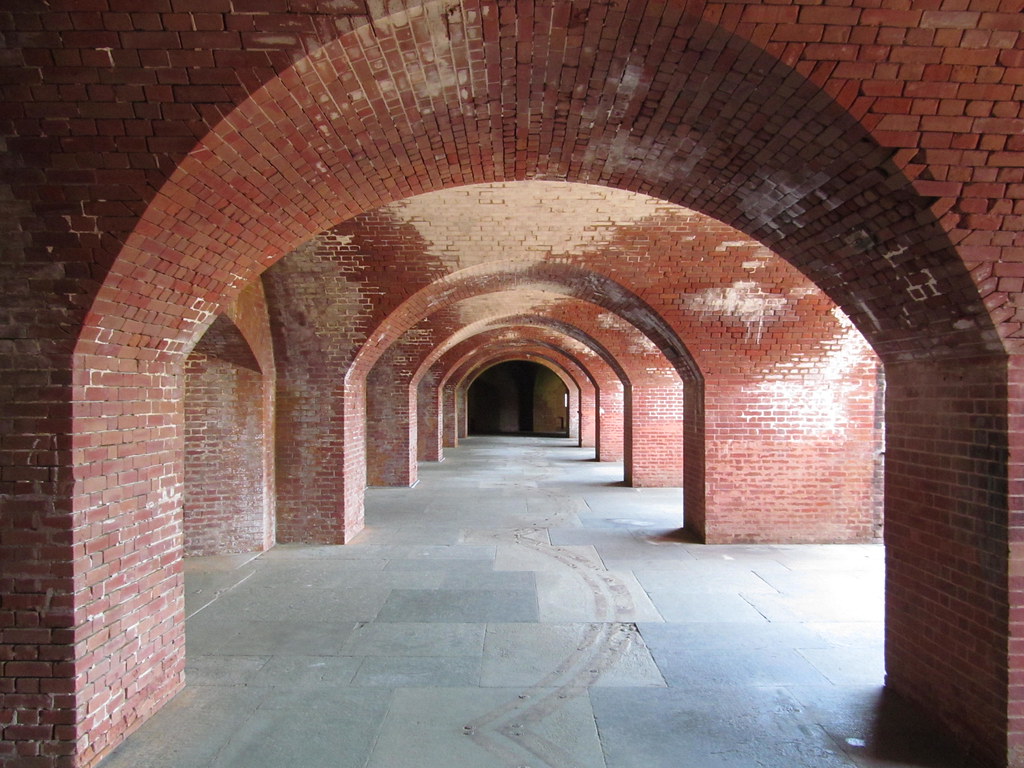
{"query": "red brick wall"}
pixel 429 415
pixel 550 403
pixel 227 500
pixel 611 418
pixel 946 566
pixel 654 450
pixel 807 436
pixel 391 429
pixel 878 148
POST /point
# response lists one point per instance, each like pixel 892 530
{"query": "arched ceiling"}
pixel 704 294
pixel 428 99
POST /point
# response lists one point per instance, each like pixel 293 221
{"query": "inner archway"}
pixel 518 397
pixel 726 126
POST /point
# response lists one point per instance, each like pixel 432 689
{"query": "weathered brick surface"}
pixel 229 434
pixel 568 353
pixel 499 345
pixel 946 565
pixel 155 162
pixel 638 361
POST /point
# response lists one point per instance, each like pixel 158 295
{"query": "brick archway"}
pixel 858 199
pixel 570 387
pixel 586 369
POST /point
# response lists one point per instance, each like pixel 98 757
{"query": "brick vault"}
pixel 284 237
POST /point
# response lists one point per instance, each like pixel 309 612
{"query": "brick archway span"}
pixel 568 280
pixel 525 353
pixel 456 364
pixel 468 335
pixel 180 264
pixel 587 369
pixel 326 139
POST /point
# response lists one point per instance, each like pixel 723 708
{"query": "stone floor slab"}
pixel 373 654
pixel 748 728
pixel 416 639
pixel 578 654
pixel 450 605
pixel 321 732
pixel 488 728
pixel 417 672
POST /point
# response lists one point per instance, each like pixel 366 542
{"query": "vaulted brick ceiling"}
pixel 698 290
pixel 438 96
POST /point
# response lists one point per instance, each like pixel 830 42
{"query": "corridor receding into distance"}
pixel 521 607
pixel 768 261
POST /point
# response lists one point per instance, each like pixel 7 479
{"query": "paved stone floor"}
pixel 519 608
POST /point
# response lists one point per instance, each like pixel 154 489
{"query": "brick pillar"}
pixel 429 419
pixel 656 435
pixel 126 634
pixel 610 407
pixel 1015 570
pixel 391 439
pixel 694 491
pixel 450 416
pixel 588 416
pixel 574 412
pixel 461 414
pixel 948 528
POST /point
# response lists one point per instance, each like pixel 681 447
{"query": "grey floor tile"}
pixel 416 639
pixel 450 605
pixel 738 636
pixel 848 665
pixel 817 606
pixel 444 566
pixel 706 578
pixel 223 671
pixel 488 728
pixel 209 715
pixel 741 728
pixel 305 638
pixel 306 671
pixel 410 534
pixel 319 733
pixel 575 655
pixel 587 595
pixel 853 634
pixel 684 668
pixel 330 578
pixel 306 604
pixel 690 607
pixel 418 672
pixel 499 580
pixel 514 557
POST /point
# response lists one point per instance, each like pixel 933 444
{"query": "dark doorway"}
pixel 518 398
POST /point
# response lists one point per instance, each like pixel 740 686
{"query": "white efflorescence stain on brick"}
pixel 744 302
pixel 520 221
